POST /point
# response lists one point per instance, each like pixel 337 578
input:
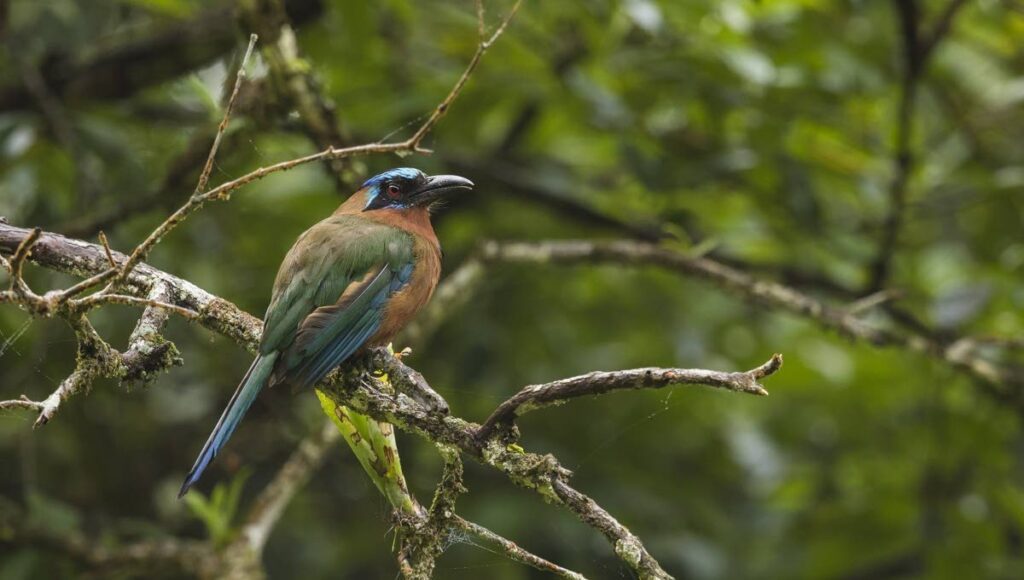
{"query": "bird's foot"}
pixel 401 354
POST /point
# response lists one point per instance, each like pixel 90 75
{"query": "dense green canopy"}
pixel 841 148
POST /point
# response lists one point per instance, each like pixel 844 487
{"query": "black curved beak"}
pixel 438 186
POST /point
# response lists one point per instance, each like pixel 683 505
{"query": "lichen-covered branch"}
pixel 148 354
pixel 356 388
pixel 85 260
pixel 627 545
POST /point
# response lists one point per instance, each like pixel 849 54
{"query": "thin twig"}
pixel 22 402
pixel 106 249
pixel 18 260
pixel 222 191
pixel 917 51
pixel 95 300
pixel 270 504
pixel 514 551
pixel 204 176
pixel 536 397
pixel 997 379
pixel 442 108
pixel 481 26
pixel 871 301
pixel 140 251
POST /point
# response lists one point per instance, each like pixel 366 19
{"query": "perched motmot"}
pixel 351 281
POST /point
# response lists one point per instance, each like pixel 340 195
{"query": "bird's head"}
pixel 405 187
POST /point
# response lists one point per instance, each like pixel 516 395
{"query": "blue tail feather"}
pixel 245 394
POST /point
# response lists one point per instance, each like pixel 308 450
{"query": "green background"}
pixel 763 128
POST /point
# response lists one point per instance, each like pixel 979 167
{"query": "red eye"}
pixel 393 191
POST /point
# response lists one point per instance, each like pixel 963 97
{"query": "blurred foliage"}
pixel 766 126
pixel 219 510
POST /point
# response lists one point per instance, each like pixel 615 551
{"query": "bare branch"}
pixel 514 551
pixel 78 381
pixel 204 176
pixel 270 504
pixel 557 392
pixel 917 50
pixel 872 300
pixel 94 358
pixel 627 546
pixel 104 298
pixel 941 28
pixel 22 402
pixel 159 292
pixel 18 261
pixel 1000 380
pixel 442 109
pixel 358 390
pixel 106 249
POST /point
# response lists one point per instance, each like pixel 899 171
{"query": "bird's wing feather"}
pixel 330 298
pixel 330 334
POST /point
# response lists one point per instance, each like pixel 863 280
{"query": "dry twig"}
pixel 557 392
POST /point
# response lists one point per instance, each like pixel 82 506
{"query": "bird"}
pixel 350 282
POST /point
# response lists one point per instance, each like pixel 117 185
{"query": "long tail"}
pixel 245 394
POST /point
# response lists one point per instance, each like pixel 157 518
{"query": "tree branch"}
pixel 482 46
pixel 1001 381
pixel 160 556
pixel 148 352
pixel 83 259
pixel 627 546
pixel 557 392
pixel 293 81
pixel 357 389
pixel 514 551
pixel 270 504
pixel 917 50
pixel 166 52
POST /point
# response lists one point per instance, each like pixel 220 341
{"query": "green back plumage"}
pixel 322 264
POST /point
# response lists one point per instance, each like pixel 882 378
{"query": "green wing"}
pixel 330 295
